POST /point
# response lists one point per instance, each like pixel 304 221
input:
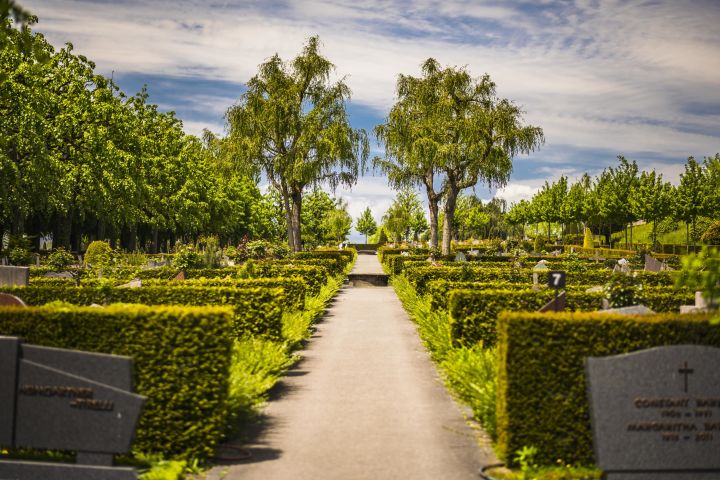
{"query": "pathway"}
pixel 364 403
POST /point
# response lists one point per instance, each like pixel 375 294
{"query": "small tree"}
pixel 366 224
pixel 690 196
pixel 651 200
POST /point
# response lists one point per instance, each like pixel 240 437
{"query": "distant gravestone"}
pixel 14 276
pixel 59 275
pixel 557 304
pixel 7 300
pixel 52 398
pixel 652 264
pixel 134 283
pixel 180 276
pixel 656 413
pixel 631 310
pixel 460 257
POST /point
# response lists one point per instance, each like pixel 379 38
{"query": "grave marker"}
pixel 14 276
pixel 52 398
pixel 656 413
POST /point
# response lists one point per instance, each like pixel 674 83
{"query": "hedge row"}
pixel 315 276
pixel 258 311
pixel 419 277
pixel 345 256
pixel 294 288
pixel 182 357
pixel 658 298
pixel 542 400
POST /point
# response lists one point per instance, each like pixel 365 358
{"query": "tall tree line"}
pixel 81 159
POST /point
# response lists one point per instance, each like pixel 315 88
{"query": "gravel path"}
pixel 366 402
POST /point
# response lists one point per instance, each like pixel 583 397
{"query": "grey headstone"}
pixel 134 283
pixel 631 310
pixel 9 348
pixel 652 264
pixel 58 275
pixel 460 257
pixel 656 413
pixel 597 289
pixel 16 470
pixel 57 410
pixel 7 300
pixel 14 276
pixel 557 304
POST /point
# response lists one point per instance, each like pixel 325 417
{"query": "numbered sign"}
pixel 556 279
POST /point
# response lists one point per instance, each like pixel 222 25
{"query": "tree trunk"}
pixel 154 247
pixel 296 208
pixel 288 218
pixel 654 236
pixel 433 208
pixel 449 210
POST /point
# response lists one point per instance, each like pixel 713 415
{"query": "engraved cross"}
pixel 686 371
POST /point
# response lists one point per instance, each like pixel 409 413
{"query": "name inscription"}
pixel 81 397
pixel 680 419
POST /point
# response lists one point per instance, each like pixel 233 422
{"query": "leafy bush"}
pixel 623 291
pixel 541 382
pixel 258 311
pixel 181 357
pixel 19 256
pixel 701 271
pixel 315 276
pixel 711 236
pixel 187 257
pixel 99 254
pixel 60 259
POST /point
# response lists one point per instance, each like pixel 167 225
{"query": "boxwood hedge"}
pixel 258 311
pixel 315 276
pixel 181 355
pixel 541 383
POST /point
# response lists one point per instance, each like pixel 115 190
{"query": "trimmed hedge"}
pixel 258 311
pixel 541 385
pixel 182 358
pixel 343 256
pixel 315 276
pixel 419 277
pixel 657 298
pixel 383 251
pixel 473 313
pixel 294 288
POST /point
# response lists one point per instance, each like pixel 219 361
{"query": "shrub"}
pixel 19 256
pixel 315 276
pixel 181 357
pixel 258 311
pixel 187 257
pixel 541 377
pixel 60 259
pixel 711 236
pixel 539 244
pixel 98 254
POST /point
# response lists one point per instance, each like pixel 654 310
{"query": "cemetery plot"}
pixel 66 400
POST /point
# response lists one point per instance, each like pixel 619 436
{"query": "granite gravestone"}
pixel 66 400
pixel 14 276
pixel 656 413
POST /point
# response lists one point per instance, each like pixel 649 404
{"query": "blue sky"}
pixel 602 78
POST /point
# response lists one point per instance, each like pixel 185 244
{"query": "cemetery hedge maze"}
pixel 489 303
pixel 180 334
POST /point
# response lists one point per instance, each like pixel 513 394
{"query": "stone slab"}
pixel 656 410
pixel 9 347
pixel 57 410
pixel 14 276
pixel 652 264
pixel 631 310
pixel 7 300
pixel 113 370
pixel 16 470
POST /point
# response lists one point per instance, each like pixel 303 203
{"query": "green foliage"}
pixel 405 219
pixel 366 224
pixel 187 257
pixel 623 290
pixel 539 244
pixel 382 237
pixel 181 357
pixel 60 259
pixel 471 374
pixel 258 311
pixel 541 385
pixel 487 134
pixel 292 123
pixel 19 256
pixel 711 236
pixel 99 255
pixel 701 271
pixel 315 276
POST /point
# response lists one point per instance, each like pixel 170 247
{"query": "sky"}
pixel 601 78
